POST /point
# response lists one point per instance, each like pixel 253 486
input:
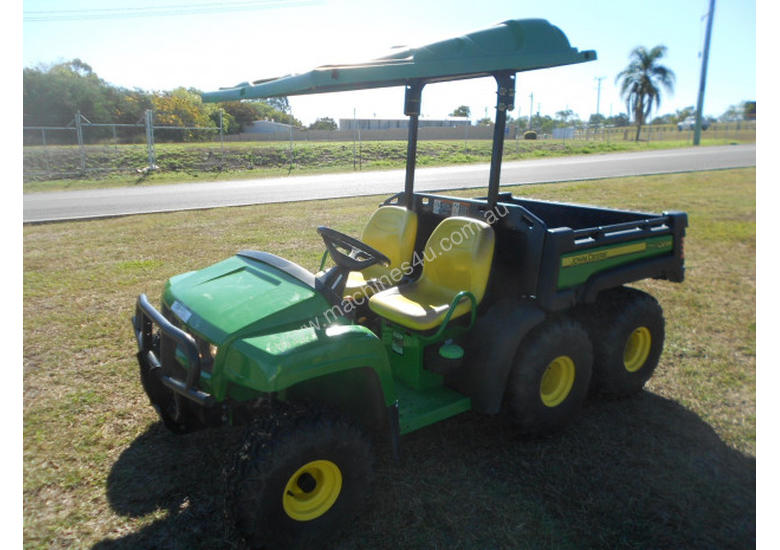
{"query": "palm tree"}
pixel 640 82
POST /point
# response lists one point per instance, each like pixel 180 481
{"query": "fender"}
pixel 275 362
pixel 490 349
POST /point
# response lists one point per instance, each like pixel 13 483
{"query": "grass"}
pixel 673 467
pixel 110 166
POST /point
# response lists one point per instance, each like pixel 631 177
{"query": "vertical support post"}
pixel 80 141
pixel 505 102
pixel 412 110
pixel 354 139
pixel 703 79
pixel 292 160
pixel 149 127
pixel 45 150
pixel 221 141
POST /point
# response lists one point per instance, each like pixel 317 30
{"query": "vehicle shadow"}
pixel 175 477
pixel 642 472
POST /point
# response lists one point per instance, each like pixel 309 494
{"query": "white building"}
pixel 387 123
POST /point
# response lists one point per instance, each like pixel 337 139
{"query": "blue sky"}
pixel 219 49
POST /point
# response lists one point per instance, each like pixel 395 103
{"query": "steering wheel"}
pixel 350 253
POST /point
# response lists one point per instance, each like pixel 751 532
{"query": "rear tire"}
pixel 296 483
pixel 550 377
pixel 628 337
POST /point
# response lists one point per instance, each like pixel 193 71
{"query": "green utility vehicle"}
pixel 495 304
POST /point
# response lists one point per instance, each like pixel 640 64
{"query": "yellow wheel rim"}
pixel 637 349
pixel 312 490
pixel 557 380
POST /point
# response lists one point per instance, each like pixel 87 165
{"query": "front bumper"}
pixel 143 321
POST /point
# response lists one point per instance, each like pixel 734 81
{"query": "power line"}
pixel 160 11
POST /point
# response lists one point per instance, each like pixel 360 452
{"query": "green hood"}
pixel 251 293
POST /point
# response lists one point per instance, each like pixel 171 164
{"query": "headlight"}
pixel 207 352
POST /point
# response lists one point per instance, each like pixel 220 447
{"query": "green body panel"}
pixel 240 296
pixel 422 397
pixel 418 409
pixel 512 46
pixel 258 317
pixel 277 361
pixel 577 267
pixel 405 351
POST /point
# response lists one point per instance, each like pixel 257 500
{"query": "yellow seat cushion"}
pixel 392 230
pixel 416 306
pixel 364 283
pixel 457 257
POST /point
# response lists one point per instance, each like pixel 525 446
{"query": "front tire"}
pixel 296 485
pixel 550 377
pixel 175 413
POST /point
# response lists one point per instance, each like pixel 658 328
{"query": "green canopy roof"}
pixel 515 45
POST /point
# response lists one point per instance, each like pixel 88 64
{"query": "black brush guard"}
pixel 143 321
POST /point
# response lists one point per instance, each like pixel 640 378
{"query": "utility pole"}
pixel 531 112
pixel 703 79
pixel 598 95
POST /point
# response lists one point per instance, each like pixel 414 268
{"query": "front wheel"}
pixel 297 486
pixel 176 413
pixel 550 377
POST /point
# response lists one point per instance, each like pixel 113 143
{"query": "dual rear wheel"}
pixel 613 349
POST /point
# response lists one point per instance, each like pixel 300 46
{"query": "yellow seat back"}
pixel 458 256
pixel 392 230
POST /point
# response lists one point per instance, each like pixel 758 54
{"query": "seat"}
pixel 392 230
pixel 457 257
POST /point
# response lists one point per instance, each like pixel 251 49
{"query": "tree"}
pixel 485 121
pixel 324 123
pixel 620 119
pixel 683 113
pixel 566 118
pixel 181 107
pixel 280 103
pixel 750 109
pixel 244 113
pixel 665 119
pixel 597 119
pixel 52 95
pixel 745 110
pixel 641 81
pixel 463 111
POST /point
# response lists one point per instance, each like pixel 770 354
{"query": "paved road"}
pixel 71 205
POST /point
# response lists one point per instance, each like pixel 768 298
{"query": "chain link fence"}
pixel 85 149
pixel 88 150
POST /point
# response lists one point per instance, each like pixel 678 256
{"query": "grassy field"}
pixel 109 166
pixel 673 467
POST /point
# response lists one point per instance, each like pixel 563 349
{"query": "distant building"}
pixel 563 133
pixel 387 123
pixel 265 127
